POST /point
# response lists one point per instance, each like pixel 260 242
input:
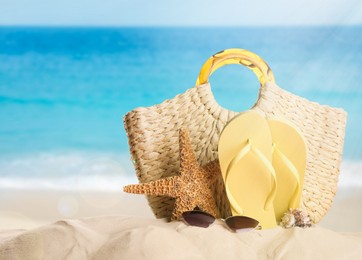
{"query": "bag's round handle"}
pixel 236 56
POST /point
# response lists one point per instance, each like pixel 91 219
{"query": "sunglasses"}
pixel 203 219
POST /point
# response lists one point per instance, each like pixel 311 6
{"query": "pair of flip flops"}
pixel 263 162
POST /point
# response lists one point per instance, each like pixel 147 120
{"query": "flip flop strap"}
pixel 294 171
pixel 239 156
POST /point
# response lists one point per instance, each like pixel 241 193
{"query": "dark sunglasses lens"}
pixel 241 223
pixel 198 218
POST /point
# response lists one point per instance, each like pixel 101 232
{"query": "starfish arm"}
pixel 180 207
pixel 208 205
pixel 187 155
pixel 212 170
pixel 161 187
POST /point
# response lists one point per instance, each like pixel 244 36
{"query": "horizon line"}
pixel 175 26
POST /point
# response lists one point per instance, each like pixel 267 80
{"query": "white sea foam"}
pixel 98 172
pixel 351 174
pixel 67 171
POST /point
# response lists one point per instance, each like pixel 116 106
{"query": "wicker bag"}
pixel 153 134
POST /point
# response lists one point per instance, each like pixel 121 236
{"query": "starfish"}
pixel 192 188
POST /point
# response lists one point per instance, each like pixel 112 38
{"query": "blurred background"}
pixel 70 70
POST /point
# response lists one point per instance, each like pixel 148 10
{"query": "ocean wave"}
pixel 98 172
pixel 67 171
pixel 350 174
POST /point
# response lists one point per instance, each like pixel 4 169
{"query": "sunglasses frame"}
pixel 226 221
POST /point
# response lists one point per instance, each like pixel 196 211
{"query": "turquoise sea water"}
pixel 64 91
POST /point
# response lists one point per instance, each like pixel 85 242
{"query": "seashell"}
pixel 288 220
pixel 301 218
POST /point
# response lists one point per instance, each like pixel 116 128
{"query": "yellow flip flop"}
pixel 245 156
pixel 289 162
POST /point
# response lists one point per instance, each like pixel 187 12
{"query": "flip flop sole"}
pixel 246 145
pixel 289 162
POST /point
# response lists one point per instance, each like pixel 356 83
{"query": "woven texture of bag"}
pixel 323 128
pixel 153 139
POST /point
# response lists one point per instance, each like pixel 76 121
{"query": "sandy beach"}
pixel 30 208
pixel 121 226
pixel 24 209
pixel 125 237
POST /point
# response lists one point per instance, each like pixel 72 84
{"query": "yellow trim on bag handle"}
pixel 236 56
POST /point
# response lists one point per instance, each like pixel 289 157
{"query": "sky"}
pixel 180 12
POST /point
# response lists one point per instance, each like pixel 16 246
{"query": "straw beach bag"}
pixel 153 134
